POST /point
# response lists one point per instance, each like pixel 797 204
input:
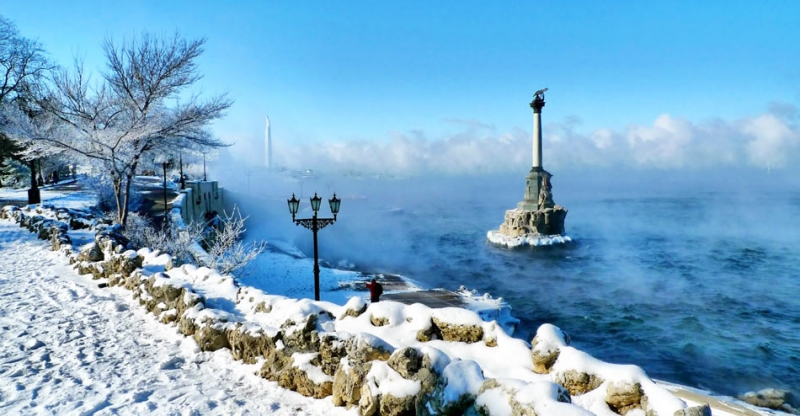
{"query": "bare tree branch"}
pixel 133 110
pixel 22 62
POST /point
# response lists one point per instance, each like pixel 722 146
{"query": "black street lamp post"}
pixel 315 224
pixel 183 178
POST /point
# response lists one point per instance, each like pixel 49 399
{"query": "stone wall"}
pixel 303 354
pixel 199 198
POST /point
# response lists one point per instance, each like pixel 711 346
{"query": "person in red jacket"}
pixel 375 291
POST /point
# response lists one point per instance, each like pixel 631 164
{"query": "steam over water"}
pixel 697 280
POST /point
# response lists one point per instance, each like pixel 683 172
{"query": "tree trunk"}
pixel 126 200
pixel 34 197
pixel 116 182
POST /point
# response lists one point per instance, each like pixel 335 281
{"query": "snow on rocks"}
pixel 347 382
pixel 600 386
pixel 507 397
pixel 461 383
pixel 489 308
pixel 546 346
pixel 535 240
pixel 354 307
pixel 386 392
pixel 777 399
pixel 386 358
pixel 44 222
pixel 305 377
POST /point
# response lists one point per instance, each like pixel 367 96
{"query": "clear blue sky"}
pixel 330 70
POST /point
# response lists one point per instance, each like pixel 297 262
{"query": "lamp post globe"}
pixel 294 205
pixel 335 203
pixel 315 201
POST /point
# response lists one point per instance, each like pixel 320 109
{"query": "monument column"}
pixel 537 104
pixel 535 178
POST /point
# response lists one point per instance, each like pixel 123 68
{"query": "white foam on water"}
pixel 527 240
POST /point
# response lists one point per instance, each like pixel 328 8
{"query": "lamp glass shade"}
pixel 315 201
pixel 294 205
pixel 335 203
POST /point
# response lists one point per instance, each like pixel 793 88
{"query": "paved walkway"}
pixel 19 197
pixel 152 191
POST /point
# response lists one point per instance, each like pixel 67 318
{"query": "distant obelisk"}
pixel 268 146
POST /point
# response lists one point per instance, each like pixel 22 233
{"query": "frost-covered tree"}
pixel 22 62
pixel 23 68
pixel 21 121
pixel 8 152
pixel 139 106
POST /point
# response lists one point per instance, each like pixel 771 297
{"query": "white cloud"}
pixel 766 140
pixel 772 141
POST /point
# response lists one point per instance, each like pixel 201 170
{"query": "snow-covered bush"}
pixel 221 238
pixel 137 229
pixel 176 241
pixel 227 253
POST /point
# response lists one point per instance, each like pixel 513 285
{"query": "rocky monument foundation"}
pixel 537 219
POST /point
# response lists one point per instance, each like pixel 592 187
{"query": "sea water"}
pixel 696 279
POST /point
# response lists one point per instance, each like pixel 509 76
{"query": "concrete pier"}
pixel 432 298
pixel 395 288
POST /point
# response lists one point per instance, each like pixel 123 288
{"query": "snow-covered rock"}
pixel 347 382
pixel 776 399
pixel 305 377
pixel 546 346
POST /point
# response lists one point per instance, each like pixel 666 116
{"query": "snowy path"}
pixel 69 347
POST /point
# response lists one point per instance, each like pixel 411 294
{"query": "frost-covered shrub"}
pixel 136 230
pixel 223 242
pixel 141 233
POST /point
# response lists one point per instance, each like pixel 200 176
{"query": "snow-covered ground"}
pixel 70 347
pixel 58 195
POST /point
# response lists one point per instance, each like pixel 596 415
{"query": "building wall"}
pixel 200 198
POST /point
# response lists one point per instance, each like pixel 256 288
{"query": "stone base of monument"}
pixel 531 227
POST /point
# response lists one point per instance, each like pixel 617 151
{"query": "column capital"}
pixel 537 104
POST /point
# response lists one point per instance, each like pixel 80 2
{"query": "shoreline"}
pixel 395 283
pixel 723 404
